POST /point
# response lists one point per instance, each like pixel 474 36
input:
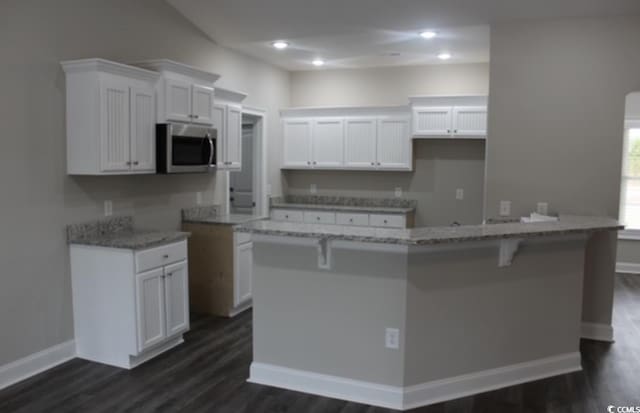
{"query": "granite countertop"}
pixel 566 225
pixel 210 215
pixel 118 232
pixel 345 204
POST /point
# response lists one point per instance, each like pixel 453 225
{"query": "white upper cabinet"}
pixel 360 142
pixel 111 117
pixel 297 142
pixel 367 138
pixel 227 119
pixel 449 117
pixel 394 148
pixel 185 93
pixel 327 143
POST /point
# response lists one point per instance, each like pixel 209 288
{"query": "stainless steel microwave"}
pixel 182 148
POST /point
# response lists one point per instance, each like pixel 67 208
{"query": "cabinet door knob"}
pixel 378 163
pixel 165 256
pixel 170 274
pixel 385 221
pixel 136 162
pixel 196 116
pixel 128 163
pixel 448 130
pixel 373 163
pixel 318 218
pixel 455 131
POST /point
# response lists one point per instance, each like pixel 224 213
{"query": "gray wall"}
pixel 556 110
pixel 39 199
pixel 441 166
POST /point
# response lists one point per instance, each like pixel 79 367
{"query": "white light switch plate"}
pixel 392 338
pixel 198 198
pixel 459 194
pixel 108 208
pixel 398 191
pixel 313 189
pixel 505 208
pixel 542 208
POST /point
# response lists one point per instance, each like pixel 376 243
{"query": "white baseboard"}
pixel 627 268
pixel 36 363
pixel 403 398
pixel 597 331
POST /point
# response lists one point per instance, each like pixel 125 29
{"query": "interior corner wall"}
pixel 556 111
pixel 38 197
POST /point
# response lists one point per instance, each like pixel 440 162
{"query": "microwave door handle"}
pixel 210 150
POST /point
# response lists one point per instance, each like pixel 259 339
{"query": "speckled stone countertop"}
pixel 434 235
pixel 345 204
pixel 209 215
pixel 118 232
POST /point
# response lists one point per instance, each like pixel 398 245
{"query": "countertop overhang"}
pixel 566 225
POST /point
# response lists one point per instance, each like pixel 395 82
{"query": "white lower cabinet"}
pixel 243 269
pixel 341 218
pixel 129 306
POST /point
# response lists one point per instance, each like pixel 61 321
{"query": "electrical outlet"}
pixel 198 198
pixel 108 208
pixel 542 208
pixel 392 338
pixel 398 191
pixel 313 189
pixel 505 208
pixel 459 194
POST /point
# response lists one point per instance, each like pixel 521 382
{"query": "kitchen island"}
pixel 402 318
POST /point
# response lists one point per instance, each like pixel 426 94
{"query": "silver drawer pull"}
pixel 165 256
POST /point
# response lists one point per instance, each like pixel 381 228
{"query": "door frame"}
pixel 260 177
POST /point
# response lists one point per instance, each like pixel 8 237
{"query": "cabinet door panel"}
pixel 177 298
pixel 360 143
pixel 394 144
pixel 114 134
pixel 244 273
pixel 219 122
pixel 328 143
pixel 233 139
pixel 432 121
pixel 143 142
pixel 297 142
pixel 178 100
pixel 150 307
pixel 202 104
pixel 470 121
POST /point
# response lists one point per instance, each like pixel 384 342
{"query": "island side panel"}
pixel 467 315
pixel 329 321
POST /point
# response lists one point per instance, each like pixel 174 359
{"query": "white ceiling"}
pixel 366 33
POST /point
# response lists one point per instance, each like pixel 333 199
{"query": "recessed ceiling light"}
pixel 444 56
pixel 428 34
pixel 317 62
pixel 280 44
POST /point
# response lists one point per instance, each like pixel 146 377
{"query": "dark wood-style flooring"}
pixel 208 374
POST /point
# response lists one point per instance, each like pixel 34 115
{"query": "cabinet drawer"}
pixel 159 256
pixel 286 215
pixel 317 217
pixel 388 221
pixel 242 237
pixel 352 219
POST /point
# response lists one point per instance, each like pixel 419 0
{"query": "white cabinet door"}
pixel 143 142
pixel 233 138
pixel 219 116
pixel 470 121
pixel 297 142
pixel 360 143
pixel 202 104
pixel 114 126
pixel 243 272
pixel 328 143
pixel 150 308
pixel 432 121
pixel 178 100
pixel 394 144
pixel 176 297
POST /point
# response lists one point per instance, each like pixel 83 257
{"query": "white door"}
pixel 178 100
pixel 176 297
pixel 297 142
pixel 244 272
pixel 219 117
pixel 394 144
pixel 202 104
pixel 143 123
pixel 432 121
pixel 150 307
pixel 115 150
pixel 233 141
pixel 327 145
pixel 360 143
pixel 470 121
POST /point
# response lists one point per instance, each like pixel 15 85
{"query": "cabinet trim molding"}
pixel 161 65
